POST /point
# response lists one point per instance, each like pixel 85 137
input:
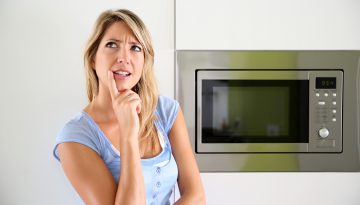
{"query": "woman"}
pixel 129 145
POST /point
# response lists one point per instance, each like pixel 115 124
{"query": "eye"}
pixel 136 48
pixel 111 45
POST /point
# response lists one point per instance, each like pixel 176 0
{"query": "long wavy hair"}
pixel 146 88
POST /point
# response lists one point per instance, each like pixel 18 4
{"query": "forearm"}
pixel 131 188
pixel 191 199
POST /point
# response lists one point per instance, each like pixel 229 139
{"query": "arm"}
pixel 189 181
pixel 93 181
pixel 87 173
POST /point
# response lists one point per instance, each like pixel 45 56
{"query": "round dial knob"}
pixel 323 132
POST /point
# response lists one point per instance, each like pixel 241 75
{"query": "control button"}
pixel 158 184
pixel 333 119
pixel 321 102
pixel 334 94
pixel 326 94
pixel 334 102
pixel 333 111
pixel 317 94
pixel 324 143
pixel 323 132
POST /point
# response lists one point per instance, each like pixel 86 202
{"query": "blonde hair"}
pixel 146 87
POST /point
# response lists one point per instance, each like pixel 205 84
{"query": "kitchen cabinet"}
pixel 267 25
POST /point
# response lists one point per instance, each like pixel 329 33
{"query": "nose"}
pixel 123 56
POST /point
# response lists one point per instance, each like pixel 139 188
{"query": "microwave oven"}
pixel 256 111
pixel 271 110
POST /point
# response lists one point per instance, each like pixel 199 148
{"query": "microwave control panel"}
pixel 325 110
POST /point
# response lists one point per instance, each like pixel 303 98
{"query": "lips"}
pixel 121 74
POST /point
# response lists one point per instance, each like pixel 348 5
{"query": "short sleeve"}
pixel 167 110
pixel 77 130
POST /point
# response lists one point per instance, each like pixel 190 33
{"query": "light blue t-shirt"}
pixel 160 172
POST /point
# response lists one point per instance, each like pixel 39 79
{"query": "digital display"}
pixel 325 83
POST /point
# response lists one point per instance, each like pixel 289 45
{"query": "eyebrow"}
pixel 131 42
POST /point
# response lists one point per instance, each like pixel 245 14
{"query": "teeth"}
pixel 123 73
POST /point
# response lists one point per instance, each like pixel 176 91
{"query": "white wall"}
pixel 42 85
pixel 271 25
pixel 267 25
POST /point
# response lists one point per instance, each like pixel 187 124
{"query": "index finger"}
pixel 112 85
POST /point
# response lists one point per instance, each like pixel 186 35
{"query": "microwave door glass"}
pixel 255 111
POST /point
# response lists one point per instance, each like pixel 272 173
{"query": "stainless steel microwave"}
pixel 256 111
pixel 271 110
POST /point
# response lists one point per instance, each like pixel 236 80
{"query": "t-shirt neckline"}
pixel 113 149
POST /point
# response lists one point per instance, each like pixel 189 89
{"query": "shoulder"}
pixel 81 130
pixel 166 111
pixel 78 124
pixel 166 103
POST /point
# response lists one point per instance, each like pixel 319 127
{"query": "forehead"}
pixel 119 29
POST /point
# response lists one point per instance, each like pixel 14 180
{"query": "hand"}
pixel 127 106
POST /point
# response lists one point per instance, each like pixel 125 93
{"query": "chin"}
pixel 126 87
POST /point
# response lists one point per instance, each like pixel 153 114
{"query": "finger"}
pixel 125 94
pixel 138 108
pixel 138 105
pixel 112 85
pixel 135 99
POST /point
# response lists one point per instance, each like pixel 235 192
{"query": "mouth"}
pixel 122 73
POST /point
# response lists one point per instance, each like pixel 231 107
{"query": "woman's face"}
pixel 120 52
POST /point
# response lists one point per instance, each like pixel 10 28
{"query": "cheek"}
pixel 100 64
pixel 140 63
pixel 98 67
pixel 140 69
